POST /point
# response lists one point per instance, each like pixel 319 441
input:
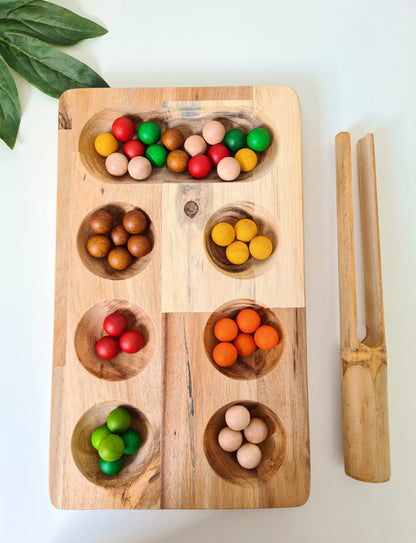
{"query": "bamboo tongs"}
pixel 363 363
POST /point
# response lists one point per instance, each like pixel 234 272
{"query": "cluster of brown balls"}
pixel 120 243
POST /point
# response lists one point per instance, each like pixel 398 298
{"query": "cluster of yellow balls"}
pixel 241 241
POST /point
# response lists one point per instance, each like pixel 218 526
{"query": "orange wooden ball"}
pixel 266 337
pixel 224 354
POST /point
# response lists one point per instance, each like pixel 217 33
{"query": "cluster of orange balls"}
pixel 241 337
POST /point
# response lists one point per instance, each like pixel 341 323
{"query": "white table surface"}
pixel 352 65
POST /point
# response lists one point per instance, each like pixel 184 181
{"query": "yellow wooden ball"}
pixel 237 252
pixel 105 144
pixel 223 234
pixel 260 247
pixel 247 159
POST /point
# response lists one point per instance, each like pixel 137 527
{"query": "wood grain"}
pixel 174 390
pixel 364 363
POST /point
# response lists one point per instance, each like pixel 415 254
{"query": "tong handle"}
pixel 363 364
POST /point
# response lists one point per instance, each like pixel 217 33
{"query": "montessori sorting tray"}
pixel 175 392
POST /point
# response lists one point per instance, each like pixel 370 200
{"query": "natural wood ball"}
pixel 98 246
pixel 119 236
pixel 139 245
pixel 135 221
pixel 172 139
pixel 119 258
pixel 116 164
pixel 177 161
pixel 101 222
pixel 139 168
pixel 195 145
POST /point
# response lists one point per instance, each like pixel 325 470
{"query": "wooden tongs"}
pixel 363 363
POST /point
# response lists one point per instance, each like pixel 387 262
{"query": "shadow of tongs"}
pixel 363 363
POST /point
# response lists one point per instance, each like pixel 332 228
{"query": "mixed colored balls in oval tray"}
pixel 137 150
pixel 114 440
pixel 122 243
pixel 241 241
pixel 242 434
pixel 240 337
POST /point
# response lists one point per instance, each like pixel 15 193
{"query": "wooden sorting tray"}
pixel 176 394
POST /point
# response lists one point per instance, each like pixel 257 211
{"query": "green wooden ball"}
pixel 132 441
pixel 112 468
pixel 258 139
pixel 148 132
pixel 157 154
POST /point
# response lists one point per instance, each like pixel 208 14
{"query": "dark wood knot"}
pixel 191 208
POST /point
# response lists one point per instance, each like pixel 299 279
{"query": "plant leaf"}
pixel 47 22
pixel 47 68
pixel 6 7
pixel 9 106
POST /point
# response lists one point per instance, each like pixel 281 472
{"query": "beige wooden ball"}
pixel 249 456
pixel 229 440
pixel 256 431
pixel 237 417
pixel 139 168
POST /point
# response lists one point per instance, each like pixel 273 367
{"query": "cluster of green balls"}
pixel 114 440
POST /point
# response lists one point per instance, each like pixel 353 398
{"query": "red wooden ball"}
pixel 115 324
pixel 131 341
pixel 107 347
pixel 134 148
pixel 123 128
pixel 199 166
pixel 217 152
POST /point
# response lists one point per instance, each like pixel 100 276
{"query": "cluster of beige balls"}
pixel 241 426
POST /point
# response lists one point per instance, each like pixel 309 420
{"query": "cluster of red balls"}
pixel 129 341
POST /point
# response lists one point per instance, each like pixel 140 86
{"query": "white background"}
pixel 353 67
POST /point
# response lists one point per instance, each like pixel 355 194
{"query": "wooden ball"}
pixel 172 139
pixel 139 245
pixel 119 236
pixel 256 431
pixel 139 168
pixel 135 221
pixel 195 145
pixel 237 417
pixel 249 456
pixel 101 222
pixel 98 246
pixel 177 161
pixel 213 132
pixel 119 258
pixel 230 440
pixel 116 164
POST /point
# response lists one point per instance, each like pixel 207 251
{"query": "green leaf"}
pixel 47 68
pixel 9 106
pixel 47 22
pixel 6 7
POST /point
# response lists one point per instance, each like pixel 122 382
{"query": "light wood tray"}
pixel 175 392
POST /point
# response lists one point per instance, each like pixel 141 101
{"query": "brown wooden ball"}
pixel 177 161
pixel 172 139
pixel 135 221
pixel 139 245
pixel 119 236
pixel 101 222
pixel 119 258
pixel 98 246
